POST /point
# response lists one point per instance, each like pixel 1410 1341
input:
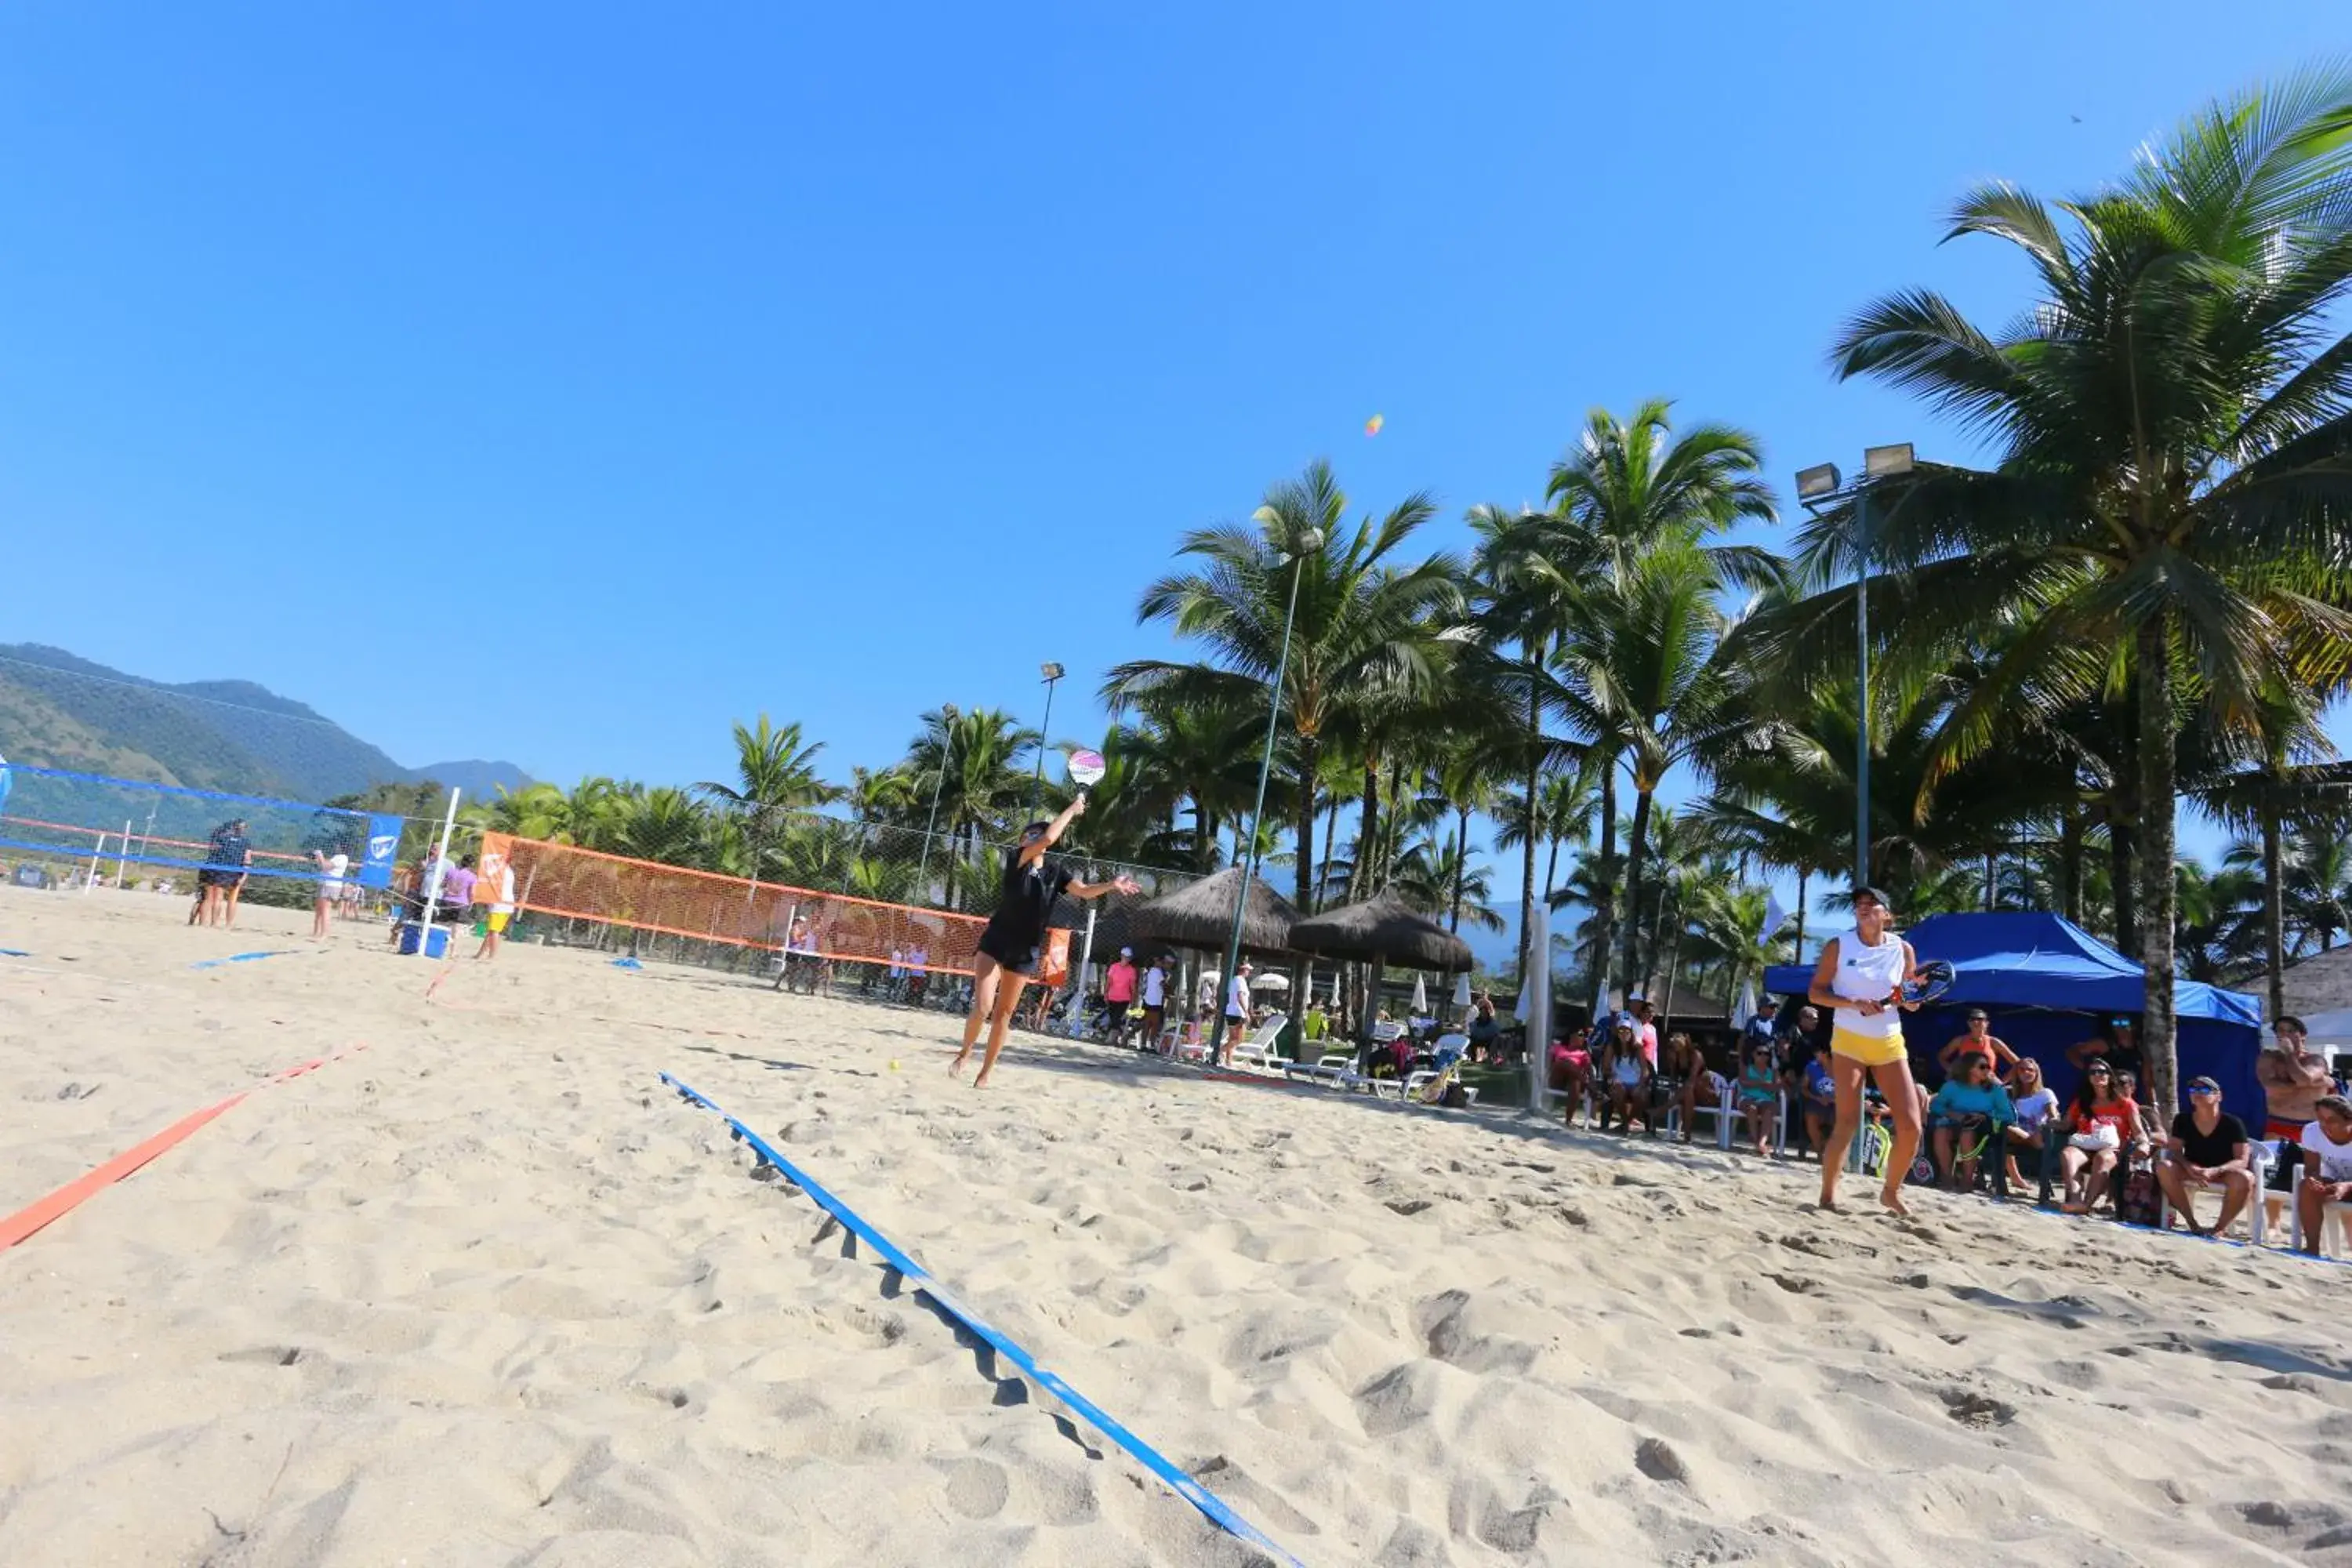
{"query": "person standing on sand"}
pixel 496 889
pixel 1237 1012
pixel 1013 943
pixel 226 857
pixel 1860 977
pixel 1155 1003
pixel 331 888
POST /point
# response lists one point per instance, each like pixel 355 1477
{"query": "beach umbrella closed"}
pixel 1462 989
pixel 1420 996
pixel 1535 1006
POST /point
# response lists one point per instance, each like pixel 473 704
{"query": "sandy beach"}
pixel 485 1293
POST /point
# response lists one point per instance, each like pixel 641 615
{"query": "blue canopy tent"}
pixel 2038 976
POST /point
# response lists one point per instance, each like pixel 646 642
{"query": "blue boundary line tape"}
pixel 14 953
pixel 1214 1508
pixel 246 957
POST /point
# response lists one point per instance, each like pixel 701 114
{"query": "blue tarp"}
pixel 2013 964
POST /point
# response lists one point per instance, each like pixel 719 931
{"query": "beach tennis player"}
pixel 1013 945
pixel 1861 977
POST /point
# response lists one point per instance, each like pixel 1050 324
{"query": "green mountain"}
pixel 63 711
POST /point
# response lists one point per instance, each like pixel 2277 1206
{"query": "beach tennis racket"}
pixel 1087 769
pixel 1928 981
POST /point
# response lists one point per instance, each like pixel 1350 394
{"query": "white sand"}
pixel 485 1294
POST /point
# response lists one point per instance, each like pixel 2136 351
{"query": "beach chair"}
pixel 1257 1053
pixel 1726 1111
pixel 1336 1069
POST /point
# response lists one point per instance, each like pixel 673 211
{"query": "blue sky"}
pixel 837 362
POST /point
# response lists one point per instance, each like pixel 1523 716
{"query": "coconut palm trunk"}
pixel 2159 894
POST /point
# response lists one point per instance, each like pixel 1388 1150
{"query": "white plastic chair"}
pixel 2259 1157
pixel 1726 1111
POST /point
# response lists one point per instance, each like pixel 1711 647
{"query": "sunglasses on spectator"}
pixel 2097 1072
pixel 2204 1091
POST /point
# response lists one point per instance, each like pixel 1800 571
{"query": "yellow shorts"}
pixel 498 922
pixel 1870 1050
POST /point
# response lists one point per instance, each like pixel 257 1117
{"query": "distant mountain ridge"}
pixel 59 710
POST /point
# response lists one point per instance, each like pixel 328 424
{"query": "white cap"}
pixel 1126 953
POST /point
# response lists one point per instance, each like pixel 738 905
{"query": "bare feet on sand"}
pixel 982 1081
pixel 955 1067
pixel 1892 1197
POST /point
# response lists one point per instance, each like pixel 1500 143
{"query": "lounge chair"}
pixel 1259 1052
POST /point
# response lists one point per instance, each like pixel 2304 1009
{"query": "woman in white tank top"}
pixel 1858 978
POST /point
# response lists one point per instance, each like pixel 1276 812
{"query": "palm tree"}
pixel 974 762
pixel 1365 624
pixel 775 773
pixel 2172 427
pixel 1729 927
pixel 664 824
pixel 1644 674
pixel 1632 508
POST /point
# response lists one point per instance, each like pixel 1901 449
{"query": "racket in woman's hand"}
pixel 1927 982
pixel 1087 769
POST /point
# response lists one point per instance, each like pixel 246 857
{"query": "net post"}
pixel 433 881
pixel 122 866
pixel 96 852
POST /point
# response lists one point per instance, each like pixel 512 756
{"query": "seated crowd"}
pixel 1994 1120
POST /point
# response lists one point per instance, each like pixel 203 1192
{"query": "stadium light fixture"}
pixel 1053 674
pixel 1816 487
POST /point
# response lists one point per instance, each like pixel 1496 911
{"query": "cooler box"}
pixel 437 939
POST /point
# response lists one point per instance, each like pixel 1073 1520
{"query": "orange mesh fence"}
pixel 569 882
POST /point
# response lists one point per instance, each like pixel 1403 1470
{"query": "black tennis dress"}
pixel 1015 936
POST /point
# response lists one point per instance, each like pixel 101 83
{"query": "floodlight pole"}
pixel 1817 487
pixel 1311 540
pixel 939 784
pixel 1052 673
pixel 1862 688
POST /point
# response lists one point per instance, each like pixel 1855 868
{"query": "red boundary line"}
pixel 41 1212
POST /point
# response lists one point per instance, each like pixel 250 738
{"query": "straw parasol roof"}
pixel 1381 928
pixel 1201 916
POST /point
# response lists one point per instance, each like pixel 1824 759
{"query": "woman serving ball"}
pixel 1013 945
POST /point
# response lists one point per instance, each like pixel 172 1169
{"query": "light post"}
pixel 1052 672
pixel 939 784
pixel 1306 542
pixel 1818 488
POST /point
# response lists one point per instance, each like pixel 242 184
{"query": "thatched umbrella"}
pixel 1382 931
pixel 1201 916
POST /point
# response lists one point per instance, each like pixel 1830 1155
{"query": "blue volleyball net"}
pixel 59 818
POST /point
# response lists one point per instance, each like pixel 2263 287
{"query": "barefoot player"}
pixel 1860 977
pixel 1014 942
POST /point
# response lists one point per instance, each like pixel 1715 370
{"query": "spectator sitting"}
pixel 1817 1092
pixel 1683 1081
pixel 2327 1166
pixel 1625 1077
pixel 1969 1116
pixel 1570 1070
pixel 2208 1149
pixel 2100 1124
pixel 2037 1128
pixel 1759 1096
pixel 1486 1030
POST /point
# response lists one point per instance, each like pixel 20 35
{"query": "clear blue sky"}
pixel 837 362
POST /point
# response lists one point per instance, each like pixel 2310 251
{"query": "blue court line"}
pixel 245 957
pixel 1214 1508
pixel 14 953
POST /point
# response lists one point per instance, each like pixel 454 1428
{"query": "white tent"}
pixel 2330 1028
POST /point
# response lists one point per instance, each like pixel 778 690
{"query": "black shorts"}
pixel 1016 950
pixel 2281 1176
